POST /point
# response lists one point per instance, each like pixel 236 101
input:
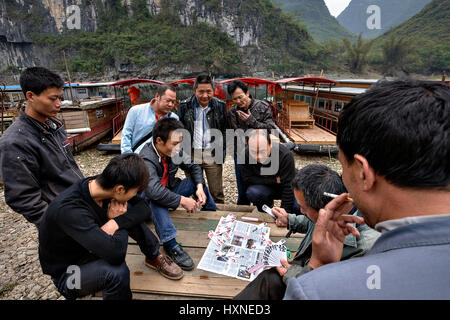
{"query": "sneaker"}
pixel 181 258
pixel 166 267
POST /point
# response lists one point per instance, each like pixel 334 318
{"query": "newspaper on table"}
pixel 241 250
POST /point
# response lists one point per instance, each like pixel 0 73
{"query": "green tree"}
pixel 357 53
pixel 397 54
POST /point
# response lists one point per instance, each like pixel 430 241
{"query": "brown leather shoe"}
pixel 166 267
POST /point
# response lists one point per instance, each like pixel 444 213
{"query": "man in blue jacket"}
pixel 394 150
pixel 141 119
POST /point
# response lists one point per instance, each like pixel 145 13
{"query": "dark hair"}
pixel 163 128
pixel 38 79
pixel 128 170
pixel 402 129
pixel 315 179
pixel 163 88
pixel 203 79
pixel 237 84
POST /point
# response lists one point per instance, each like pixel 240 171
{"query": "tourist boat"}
pixel 146 86
pixel 87 111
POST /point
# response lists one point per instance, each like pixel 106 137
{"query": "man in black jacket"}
pixel 205 117
pixel 163 158
pixel 247 113
pixel 36 160
pixel 83 236
pixel 268 173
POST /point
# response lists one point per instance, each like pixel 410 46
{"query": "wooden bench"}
pixel 147 284
pixel 299 115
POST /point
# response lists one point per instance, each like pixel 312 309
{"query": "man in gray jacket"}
pixel 394 150
pixel 166 191
pixel 36 160
pixel 309 185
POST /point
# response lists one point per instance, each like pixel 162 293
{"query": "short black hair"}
pixel 237 84
pixel 163 128
pixel 402 128
pixel 203 79
pixel 315 179
pixel 161 90
pixel 128 170
pixel 38 79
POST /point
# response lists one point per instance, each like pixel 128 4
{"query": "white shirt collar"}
pixel 156 150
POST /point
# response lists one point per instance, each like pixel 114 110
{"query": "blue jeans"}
pixel 95 276
pixel 260 195
pixel 163 221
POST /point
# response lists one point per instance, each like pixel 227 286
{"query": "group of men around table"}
pixel 394 151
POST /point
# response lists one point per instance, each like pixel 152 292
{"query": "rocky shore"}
pixel 21 277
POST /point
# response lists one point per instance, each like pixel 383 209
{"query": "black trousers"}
pixel 95 276
pixel 268 285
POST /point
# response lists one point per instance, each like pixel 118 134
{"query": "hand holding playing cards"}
pixel 332 226
pixel 282 217
pixel 284 267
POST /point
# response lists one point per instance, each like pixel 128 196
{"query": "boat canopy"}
pixel 219 92
pixel 184 81
pixel 129 82
pixel 308 81
pixel 273 87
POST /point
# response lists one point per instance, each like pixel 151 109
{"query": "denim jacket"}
pixel 353 246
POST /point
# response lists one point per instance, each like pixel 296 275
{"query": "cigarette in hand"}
pixel 332 195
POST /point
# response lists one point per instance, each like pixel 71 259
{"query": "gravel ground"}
pixel 21 276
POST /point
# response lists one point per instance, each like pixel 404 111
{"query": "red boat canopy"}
pixel 274 87
pixel 218 93
pixel 129 82
pixel 307 81
pixel 184 81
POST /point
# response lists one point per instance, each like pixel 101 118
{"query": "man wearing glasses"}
pixel 141 119
pixel 247 113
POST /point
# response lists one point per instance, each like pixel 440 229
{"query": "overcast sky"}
pixel 336 6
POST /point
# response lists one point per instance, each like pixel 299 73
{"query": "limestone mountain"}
pixel 375 17
pixel 315 15
pixel 153 38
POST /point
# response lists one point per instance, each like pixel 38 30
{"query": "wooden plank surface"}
pixel 144 279
pixel 117 138
pixel 210 219
pixel 315 136
pixel 147 283
pixel 294 136
pixel 199 239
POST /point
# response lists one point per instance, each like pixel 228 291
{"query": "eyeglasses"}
pixel 239 98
